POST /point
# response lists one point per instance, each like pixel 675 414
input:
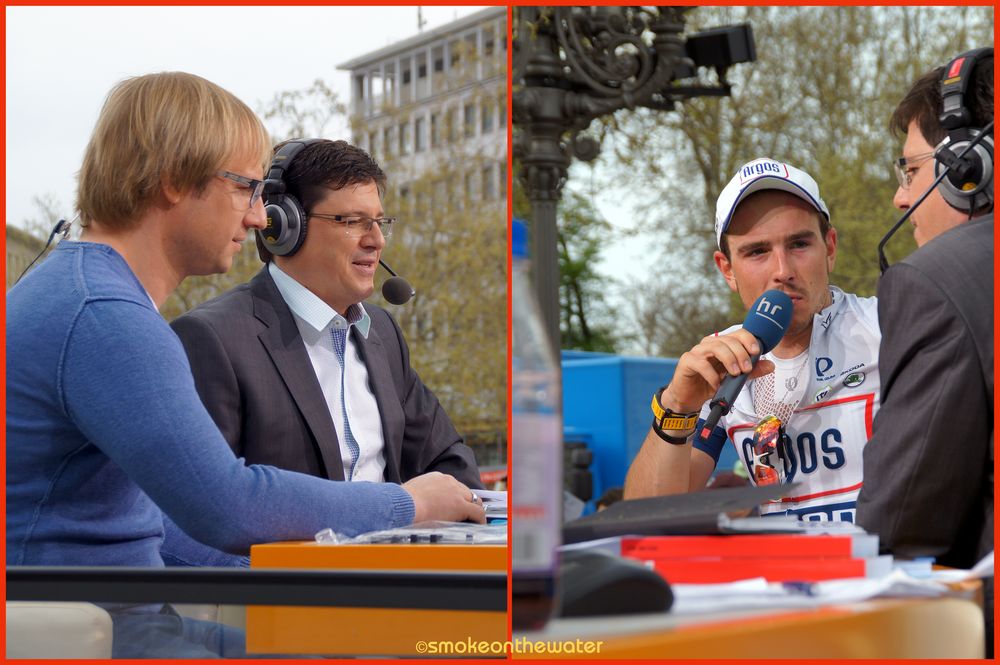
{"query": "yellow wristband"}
pixel 667 419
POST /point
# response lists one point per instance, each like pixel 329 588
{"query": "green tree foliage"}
pixel 451 245
pixel 303 113
pixel 585 321
pixel 819 96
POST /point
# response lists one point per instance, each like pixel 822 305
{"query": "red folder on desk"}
pixel 717 570
pixel 775 557
pixel 787 546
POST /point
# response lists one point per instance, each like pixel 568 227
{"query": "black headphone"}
pixel 286 218
pixel 968 185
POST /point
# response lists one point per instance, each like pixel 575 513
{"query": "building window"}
pixel 404 138
pixel 422 71
pixel 489 184
pixel 435 130
pixel 419 142
pixel 387 141
pixel 470 186
pixel 488 46
pixel 503 178
pixel 371 142
pixel 502 124
pixel 452 125
pixel 406 76
pixel 470 120
pixel 487 118
pixel 439 64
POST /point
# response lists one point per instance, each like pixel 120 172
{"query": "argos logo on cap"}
pixel 762 167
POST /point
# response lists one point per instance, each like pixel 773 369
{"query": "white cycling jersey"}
pixel 828 430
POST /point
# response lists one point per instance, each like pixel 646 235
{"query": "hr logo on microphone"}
pixel 767 307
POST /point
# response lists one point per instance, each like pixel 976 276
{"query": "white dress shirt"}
pixel 316 321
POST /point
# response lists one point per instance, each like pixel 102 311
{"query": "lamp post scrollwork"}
pixel 574 64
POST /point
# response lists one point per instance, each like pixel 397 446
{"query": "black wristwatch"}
pixel 665 419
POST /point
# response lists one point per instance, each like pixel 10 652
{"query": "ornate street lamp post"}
pixel 574 64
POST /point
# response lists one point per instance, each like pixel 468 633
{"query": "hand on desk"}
pixel 437 496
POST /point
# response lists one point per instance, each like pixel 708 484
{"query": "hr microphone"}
pixel 767 320
pixel 396 289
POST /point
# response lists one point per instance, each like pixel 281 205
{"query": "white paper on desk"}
pixel 495 502
pixel 758 593
pixel 493 496
pixel 428 532
pixel 983 568
pixel 784 524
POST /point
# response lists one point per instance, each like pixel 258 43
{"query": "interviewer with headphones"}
pixel 296 369
pixel 928 468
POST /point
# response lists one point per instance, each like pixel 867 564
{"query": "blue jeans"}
pixel 168 635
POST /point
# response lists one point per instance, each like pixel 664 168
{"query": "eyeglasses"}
pixel 255 187
pixel 905 168
pixel 356 225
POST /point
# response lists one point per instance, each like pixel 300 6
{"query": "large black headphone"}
pixel 968 185
pixel 286 218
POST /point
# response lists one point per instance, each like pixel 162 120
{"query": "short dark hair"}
pixel 322 166
pixel 824 224
pixel 922 103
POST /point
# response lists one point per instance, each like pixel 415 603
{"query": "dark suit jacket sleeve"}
pixel 430 440
pixel 214 376
pixel 924 465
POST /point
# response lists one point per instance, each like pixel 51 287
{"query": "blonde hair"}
pixel 170 127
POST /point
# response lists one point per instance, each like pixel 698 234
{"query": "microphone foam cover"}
pixel 769 318
pixel 397 290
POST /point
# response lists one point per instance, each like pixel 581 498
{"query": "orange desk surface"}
pixel 374 631
pixel 890 628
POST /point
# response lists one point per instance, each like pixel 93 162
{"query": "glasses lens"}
pixel 899 166
pixel 385 226
pixel 256 192
pixel 766 463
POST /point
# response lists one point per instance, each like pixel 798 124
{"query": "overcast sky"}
pixel 62 61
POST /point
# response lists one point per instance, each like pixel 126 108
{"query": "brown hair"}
pixel 168 127
pixel 322 166
pixel 922 103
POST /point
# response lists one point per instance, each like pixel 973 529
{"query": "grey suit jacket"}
pixel 928 469
pixel 255 378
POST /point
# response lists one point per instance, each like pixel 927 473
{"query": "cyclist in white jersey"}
pixel 821 380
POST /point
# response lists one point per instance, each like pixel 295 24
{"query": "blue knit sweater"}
pixel 105 429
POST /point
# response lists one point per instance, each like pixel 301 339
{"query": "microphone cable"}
pixel 62 228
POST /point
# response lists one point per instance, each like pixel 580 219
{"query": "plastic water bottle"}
pixel 536 451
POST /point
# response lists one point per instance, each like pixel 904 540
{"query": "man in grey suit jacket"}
pixel 254 375
pixel 928 469
pixel 281 385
